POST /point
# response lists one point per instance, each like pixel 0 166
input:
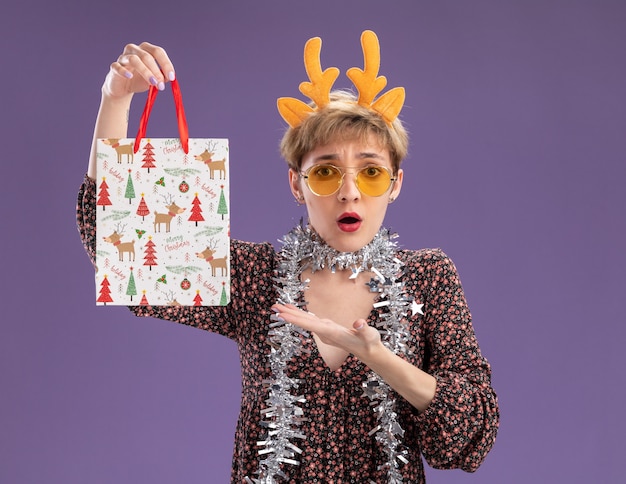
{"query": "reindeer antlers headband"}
pixel 366 80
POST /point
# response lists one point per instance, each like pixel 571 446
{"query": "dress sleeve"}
pixel 86 217
pixel 251 268
pixel 459 427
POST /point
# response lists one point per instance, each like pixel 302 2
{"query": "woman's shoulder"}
pixel 245 246
pixel 423 256
pixel 252 254
pixel 430 263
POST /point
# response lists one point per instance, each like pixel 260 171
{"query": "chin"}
pixel 350 242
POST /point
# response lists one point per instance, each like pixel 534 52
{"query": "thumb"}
pixel 359 324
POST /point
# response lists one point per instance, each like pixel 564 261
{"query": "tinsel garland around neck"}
pixel 304 249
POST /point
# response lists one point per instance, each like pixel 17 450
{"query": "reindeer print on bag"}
pixel 214 166
pixel 126 149
pixel 122 247
pixel 220 263
pixel 166 218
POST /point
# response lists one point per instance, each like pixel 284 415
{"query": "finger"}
pixel 298 317
pixel 121 70
pixel 359 324
pixel 283 308
pixel 143 61
pixel 162 59
pixel 142 64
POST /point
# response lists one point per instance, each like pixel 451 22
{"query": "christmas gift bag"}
pixel 162 223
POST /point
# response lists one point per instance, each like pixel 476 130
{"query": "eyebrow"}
pixel 361 156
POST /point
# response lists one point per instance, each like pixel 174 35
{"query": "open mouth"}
pixel 349 218
pixel 349 222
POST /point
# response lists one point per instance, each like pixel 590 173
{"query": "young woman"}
pixel 358 358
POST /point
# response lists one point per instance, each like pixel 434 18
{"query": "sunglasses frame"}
pixel 305 175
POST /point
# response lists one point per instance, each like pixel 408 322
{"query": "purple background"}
pixel 518 120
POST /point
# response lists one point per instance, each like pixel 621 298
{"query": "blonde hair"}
pixel 343 119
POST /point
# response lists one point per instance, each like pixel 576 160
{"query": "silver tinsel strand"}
pixel 304 249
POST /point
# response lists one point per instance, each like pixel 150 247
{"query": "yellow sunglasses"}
pixel 326 179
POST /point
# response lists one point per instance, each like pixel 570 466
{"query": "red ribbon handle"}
pixel 183 130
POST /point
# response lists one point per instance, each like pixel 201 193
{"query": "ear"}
pixel 294 184
pixel 397 186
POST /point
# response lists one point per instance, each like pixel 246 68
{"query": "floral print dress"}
pixel 457 430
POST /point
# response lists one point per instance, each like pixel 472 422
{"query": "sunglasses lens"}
pixel 324 179
pixel 373 181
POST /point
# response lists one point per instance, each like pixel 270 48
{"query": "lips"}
pixel 349 222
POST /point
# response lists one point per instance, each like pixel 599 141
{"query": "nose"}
pixel 348 189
